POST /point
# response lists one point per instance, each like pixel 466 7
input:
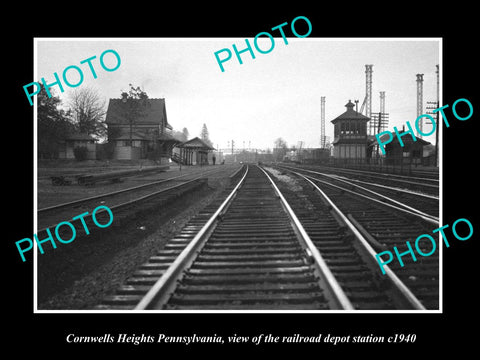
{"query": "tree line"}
pixel 83 112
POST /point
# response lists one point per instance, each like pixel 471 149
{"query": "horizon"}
pixel 274 95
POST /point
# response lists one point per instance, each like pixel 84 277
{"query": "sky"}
pixel 274 95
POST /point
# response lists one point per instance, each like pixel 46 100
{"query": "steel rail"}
pixel 339 295
pixel 386 175
pixel 380 195
pixel 159 292
pixel 403 290
pixel 406 191
pixel 428 218
pixel 372 175
pixel 79 201
pixel 130 202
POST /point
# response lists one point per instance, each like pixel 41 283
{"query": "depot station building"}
pixel 353 144
pixel 350 134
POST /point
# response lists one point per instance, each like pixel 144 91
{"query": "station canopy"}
pixel 195 144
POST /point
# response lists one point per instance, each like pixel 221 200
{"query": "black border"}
pixel 47 332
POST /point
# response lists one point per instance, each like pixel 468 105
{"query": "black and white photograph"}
pixel 226 190
pixel 295 179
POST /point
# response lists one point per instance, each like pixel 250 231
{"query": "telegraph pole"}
pixel 322 122
pixel 368 90
pixel 436 105
pixel 420 102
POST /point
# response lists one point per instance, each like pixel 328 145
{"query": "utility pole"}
pixel 382 102
pixel 420 103
pixel 436 105
pixel 367 102
pixel 322 124
pixel 368 105
pixel 383 116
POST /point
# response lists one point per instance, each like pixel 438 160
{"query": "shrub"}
pixel 105 151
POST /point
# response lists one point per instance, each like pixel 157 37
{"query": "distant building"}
pixel 193 152
pixel 350 134
pixel 413 152
pixel 143 135
pixel 72 141
pixel 317 155
pixel 248 156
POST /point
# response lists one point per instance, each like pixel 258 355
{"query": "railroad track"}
pixel 134 219
pixel 424 184
pixel 387 171
pixel 249 251
pixel 119 199
pixel 412 201
pixel 386 225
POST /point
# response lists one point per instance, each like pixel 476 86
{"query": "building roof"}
pixel 142 134
pixel 167 138
pixel 350 114
pixel 153 112
pixel 196 143
pixel 406 139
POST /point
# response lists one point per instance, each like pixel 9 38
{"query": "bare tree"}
pixel 280 149
pixel 88 111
